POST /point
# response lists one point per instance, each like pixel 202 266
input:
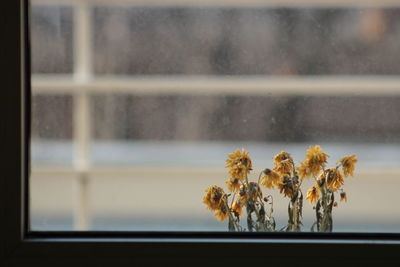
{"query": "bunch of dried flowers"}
pixel 287 178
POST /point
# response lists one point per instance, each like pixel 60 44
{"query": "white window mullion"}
pixel 81 119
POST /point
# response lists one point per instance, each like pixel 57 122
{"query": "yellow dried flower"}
pixel 233 184
pixel 253 188
pixel 334 179
pixel 343 196
pixel 348 164
pixel 286 187
pixel 281 156
pixel 303 171
pixel 313 194
pixel 239 164
pixel 214 197
pixel 237 208
pixel 315 159
pixel 284 167
pixel 221 214
pixel 270 178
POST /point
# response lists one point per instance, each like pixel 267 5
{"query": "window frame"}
pixel 19 246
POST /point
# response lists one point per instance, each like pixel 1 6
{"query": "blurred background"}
pixel 136 104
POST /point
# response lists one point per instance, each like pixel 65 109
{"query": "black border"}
pixel 26 102
pixel 20 247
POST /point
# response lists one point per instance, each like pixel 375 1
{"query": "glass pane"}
pixel 51 129
pixel 51 31
pixel 159 96
pixel 245 41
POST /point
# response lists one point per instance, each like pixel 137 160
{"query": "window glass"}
pixel 51 27
pixel 136 108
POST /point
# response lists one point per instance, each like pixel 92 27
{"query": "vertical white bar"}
pixel 82 75
pixel 82 42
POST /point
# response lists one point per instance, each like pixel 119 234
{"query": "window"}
pixel 122 85
pixel 23 247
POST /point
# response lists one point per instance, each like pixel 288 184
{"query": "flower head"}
pixel 233 184
pixel 313 194
pixel 334 178
pixel 239 164
pixel 303 171
pixel 284 167
pixel 283 163
pixel 348 164
pixel 343 196
pixel 315 159
pixel 286 187
pixel 270 178
pixel 221 214
pixel 281 156
pixel 214 197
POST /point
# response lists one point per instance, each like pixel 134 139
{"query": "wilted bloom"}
pixel 284 167
pixel 286 187
pixel 343 196
pixel 270 178
pixel 281 156
pixel 239 164
pixel 348 164
pixel 334 179
pixel 233 184
pixel 315 159
pixel 214 197
pixel 221 214
pixel 237 208
pixel 313 194
pixel 303 171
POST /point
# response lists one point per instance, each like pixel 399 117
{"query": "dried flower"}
pixel 221 214
pixel 343 196
pixel 214 197
pixel 334 178
pixel 270 178
pixel 313 194
pixel 283 163
pixel 281 156
pixel 315 159
pixel 348 164
pixel 239 164
pixel 303 171
pixel 288 179
pixel 286 187
pixel 237 208
pixel 233 184
pixel 284 167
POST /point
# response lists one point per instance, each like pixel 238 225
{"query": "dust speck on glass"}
pixel 140 114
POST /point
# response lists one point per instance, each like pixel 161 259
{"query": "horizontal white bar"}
pixel 185 172
pixel 214 85
pixel 231 3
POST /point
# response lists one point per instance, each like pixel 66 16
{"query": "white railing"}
pixel 82 83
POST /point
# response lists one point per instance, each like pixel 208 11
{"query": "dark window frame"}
pixel 20 247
